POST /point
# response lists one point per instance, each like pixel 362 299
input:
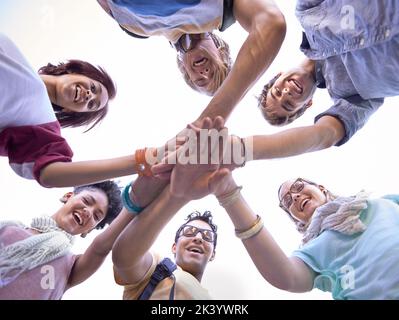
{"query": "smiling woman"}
pixel 46 243
pixel 79 92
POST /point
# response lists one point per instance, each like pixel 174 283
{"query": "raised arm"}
pixel 266 29
pixel 145 191
pixel 290 274
pixel 130 253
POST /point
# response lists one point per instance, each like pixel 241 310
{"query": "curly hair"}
pixel 196 215
pixel 77 119
pixel 223 67
pixel 270 116
pixel 113 193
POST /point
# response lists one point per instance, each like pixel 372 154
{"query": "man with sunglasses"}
pixel 203 57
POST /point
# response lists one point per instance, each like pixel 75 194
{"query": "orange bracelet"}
pixel 142 167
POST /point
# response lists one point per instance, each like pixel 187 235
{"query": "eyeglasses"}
pixel 287 200
pixel 191 231
pixel 188 42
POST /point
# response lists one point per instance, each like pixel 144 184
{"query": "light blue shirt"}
pixel 171 18
pixel 360 266
pixel 356 47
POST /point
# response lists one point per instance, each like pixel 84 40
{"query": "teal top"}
pixel 360 266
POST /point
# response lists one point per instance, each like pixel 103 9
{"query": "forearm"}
pixel 293 142
pixel 147 189
pixel 266 254
pixel 86 264
pixel 102 244
pixel 141 233
pixel 266 34
pixel 69 174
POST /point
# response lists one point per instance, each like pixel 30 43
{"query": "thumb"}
pixel 217 178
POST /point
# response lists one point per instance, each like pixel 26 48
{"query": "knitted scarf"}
pixel 27 254
pixel 341 214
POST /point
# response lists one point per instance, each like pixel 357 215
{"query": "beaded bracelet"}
pixel 252 231
pixel 127 201
pixel 141 165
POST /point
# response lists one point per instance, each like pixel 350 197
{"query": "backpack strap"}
pixel 164 269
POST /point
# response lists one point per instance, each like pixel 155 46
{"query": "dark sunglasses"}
pixel 191 231
pixel 188 42
pixel 287 200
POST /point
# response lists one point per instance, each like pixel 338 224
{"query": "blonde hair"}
pixel 223 64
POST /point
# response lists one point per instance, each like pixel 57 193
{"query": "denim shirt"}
pixel 348 62
pixel 338 26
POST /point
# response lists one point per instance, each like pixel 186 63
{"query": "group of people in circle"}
pixel 338 231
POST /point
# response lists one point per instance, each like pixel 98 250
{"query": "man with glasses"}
pixel 146 275
pixel 194 247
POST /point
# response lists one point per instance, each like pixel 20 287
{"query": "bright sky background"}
pixel 153 104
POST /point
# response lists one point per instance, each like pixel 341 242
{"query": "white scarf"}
pixel 27 254
pixel 341 214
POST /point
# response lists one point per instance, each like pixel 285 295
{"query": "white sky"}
pixel 153 104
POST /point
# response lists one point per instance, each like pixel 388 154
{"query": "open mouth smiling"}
pixel 78 93
pixel 304 203
pixel 296 86
pixel 78 218
pixel 200 62
pixel 195 250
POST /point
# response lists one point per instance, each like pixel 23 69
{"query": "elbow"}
pixel 331 136
pixel 274 22
pixel 282 283
pixel 46 180
pixel 279 24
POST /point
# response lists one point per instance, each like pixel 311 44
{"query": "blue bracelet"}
pixel 128 203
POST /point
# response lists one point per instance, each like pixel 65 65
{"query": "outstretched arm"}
pixel 323 134
pixel 145 191
pixel 69 174
pixel 285 273
pixel 266 29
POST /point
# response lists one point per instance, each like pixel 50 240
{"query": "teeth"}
pixel 80 221
pixel 304 202
pixel 77 93
pixel 200 62
pixel 296 84
pixel 195 250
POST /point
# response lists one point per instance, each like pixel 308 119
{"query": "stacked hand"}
pixel 197 161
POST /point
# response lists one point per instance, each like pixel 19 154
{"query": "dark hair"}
pixel 113 193
pixel 223 70
pixel 77 119
pixel 270 116
pixel 196 215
